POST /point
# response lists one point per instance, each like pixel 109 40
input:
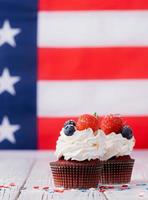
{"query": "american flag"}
pixel 62 58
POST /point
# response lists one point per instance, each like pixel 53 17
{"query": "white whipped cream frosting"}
pixel 116 145
pixel 82 145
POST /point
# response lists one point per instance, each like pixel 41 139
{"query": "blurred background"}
pixel 61 58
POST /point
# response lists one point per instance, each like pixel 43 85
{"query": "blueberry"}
pixel 69 130
pixel 72 122
pixel 127 132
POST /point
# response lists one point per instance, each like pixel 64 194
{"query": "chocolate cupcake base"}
pixel 116 171
pixel 75 174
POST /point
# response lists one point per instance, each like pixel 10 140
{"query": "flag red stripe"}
pixel 92 63
pixel 49 129
pixel 92 4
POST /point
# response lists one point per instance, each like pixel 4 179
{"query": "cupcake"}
pixel 119 143
pixel 78 149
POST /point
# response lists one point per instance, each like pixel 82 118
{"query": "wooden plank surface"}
pixel 25 175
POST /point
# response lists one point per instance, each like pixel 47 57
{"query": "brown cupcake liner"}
pixel 116 171
pixel 76 175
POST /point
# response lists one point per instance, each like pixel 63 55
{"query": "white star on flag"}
pixel 7 130
pixel 7 34
pixel 7 82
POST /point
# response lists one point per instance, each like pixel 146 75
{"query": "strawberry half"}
pixel 87 121
pixel 112 123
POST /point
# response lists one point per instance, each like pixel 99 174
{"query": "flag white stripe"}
pixel 95 28
pixel 71 98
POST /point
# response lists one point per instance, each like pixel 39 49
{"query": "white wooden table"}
pixel 25 175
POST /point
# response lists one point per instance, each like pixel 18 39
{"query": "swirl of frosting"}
pixel 117 145
pixel 82 145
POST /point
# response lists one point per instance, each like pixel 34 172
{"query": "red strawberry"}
pixel 87 121
pixel 111 123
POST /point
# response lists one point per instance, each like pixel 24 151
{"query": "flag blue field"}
pixel 18 74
